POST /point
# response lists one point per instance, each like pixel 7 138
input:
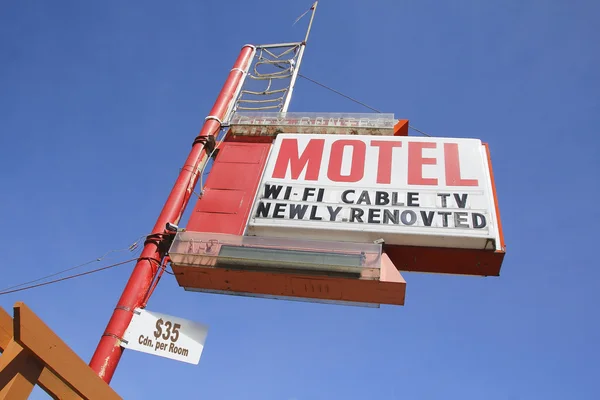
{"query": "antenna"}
pixel 312 16
pixel 269 82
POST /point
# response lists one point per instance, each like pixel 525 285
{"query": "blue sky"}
pixel 99 104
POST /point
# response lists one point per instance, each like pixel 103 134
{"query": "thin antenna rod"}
pixel 312 16
pixel 272 56
pixel 288 98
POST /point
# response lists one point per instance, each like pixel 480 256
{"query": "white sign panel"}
pixel 165 336
pixel 405 190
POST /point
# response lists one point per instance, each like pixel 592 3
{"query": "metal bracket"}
pixel 121 340
pixel 213 118
pixel 125 309
pixel 207 141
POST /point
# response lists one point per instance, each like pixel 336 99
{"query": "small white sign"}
pixel 165 336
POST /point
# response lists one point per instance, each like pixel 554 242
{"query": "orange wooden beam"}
pixel 49 382
pixel 6 329
pixel 34 335
pixel 19 372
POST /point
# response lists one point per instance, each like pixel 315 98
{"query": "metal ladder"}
pixel 269 84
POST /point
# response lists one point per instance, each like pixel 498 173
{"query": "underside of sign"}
pixel 330 272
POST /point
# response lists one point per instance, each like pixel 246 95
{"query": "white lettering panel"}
pixel 410 191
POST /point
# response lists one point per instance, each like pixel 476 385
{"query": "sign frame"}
pixel 475 201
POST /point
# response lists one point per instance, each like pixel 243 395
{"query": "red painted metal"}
pixel 401 128
pixel 224 208
pixel 108 353
pixel 230 188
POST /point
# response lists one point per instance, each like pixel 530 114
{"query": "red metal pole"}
pixel 108 353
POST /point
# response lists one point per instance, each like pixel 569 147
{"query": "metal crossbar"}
pixel 270 77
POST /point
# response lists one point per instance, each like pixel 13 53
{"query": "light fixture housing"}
pixel 272 123
pixel 217 250
pixel 345 273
